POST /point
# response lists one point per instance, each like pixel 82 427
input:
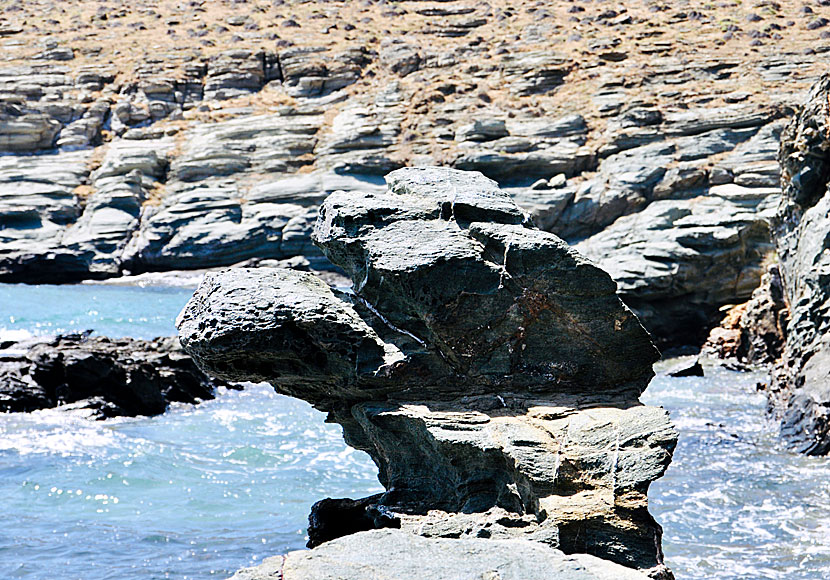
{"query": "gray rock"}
pixel 490 370
pixel 754 163
pixel 800 396
pixel 677 261
pixel 399 57
pixel 262 144
pixel 624 185
pixel 37 203
pixel 483 130
pixel 568 126
pixel 309 73
pixel 234 73
pixel 217 222
pixel 378 554
pixel 696 121
pixel 564 156
pixel 25 132
pixel 532 73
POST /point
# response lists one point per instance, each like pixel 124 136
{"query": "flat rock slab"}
pixel 393 554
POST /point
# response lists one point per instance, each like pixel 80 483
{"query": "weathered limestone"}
pixel 489 370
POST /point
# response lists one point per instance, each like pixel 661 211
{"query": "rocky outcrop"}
pixel 403 556
pixel 490 371
pixel 801 230
pixel 678 261
pixel 104 377
pixel 25 132
pixel 754 332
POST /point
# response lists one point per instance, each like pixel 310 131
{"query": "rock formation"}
pixel 754 332
pixel 801 231
pixel 489 370
pixel 105 377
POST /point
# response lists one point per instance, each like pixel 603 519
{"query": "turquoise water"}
pixel 115 311
pixel 202 491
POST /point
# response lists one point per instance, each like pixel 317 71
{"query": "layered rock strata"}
pixel 489 370
pixel 649 137
pixel 104 377
pixel 802 232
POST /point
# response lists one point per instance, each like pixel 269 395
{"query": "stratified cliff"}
pixel 800 394
pixel 489 370
pixel 152 136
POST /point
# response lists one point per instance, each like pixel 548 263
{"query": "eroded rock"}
pixel 403 556
pixel 801 230
pixel 490 370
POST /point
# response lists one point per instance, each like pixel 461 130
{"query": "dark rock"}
pixel 490 371
pixel 334 518
pixel 688 369
pixel 107 377
pixel 754 332
pixel 800 229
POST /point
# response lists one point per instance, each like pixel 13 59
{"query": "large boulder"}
pixel 490 371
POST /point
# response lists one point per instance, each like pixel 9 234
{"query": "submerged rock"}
pixel 801 230
pixel 490 371
pixel 691 368
pixel 106 377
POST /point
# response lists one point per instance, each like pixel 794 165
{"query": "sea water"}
pixel 202 491
pixel 735 503
pixel 197 492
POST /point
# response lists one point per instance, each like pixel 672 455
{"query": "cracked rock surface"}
pixel 388 554
pixel 799 394
pixel 489 370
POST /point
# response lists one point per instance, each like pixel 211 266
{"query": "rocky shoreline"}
pixel 498 403
pixel 512 190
